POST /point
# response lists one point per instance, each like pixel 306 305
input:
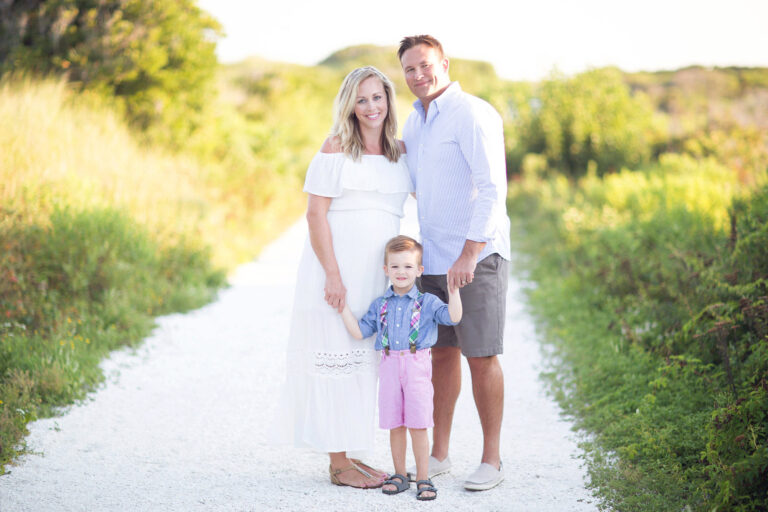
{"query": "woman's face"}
pixel 371 103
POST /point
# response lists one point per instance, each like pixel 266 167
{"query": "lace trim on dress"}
pixel 344 363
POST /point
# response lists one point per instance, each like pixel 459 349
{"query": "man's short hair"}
pixel 402 243
pixel 410 41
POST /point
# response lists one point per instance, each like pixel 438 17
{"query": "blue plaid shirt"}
pixel 399 309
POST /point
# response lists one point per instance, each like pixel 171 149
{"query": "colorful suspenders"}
pixel 413 335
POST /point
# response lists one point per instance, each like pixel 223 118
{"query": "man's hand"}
pixel 463 270
pixel 461 273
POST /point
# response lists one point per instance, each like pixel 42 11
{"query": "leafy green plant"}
pixel 74 288
pixel 652 284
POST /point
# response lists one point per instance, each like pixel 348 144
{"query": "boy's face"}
pixel 403 268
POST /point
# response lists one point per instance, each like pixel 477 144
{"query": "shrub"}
pixel 157 57
pixel 654 286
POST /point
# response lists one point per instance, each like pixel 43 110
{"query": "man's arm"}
pixel 482 143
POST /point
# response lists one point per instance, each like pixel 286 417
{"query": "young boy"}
pixel 406 322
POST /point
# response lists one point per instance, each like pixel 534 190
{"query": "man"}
pixel 455 145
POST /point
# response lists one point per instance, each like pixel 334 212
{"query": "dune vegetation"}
pixel 136 172
pixel 640 208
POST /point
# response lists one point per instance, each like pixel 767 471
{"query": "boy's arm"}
pixel 350 322
pixel 454 304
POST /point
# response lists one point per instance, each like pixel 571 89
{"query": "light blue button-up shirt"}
pixel 399 310
pixel 456 158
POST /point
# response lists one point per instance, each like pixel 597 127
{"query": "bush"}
pixel 157 57
pixel 654 286
pixel 590 120
pixel 74 288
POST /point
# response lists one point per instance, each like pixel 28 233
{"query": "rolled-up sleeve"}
pixel 369 323
pixel 440 311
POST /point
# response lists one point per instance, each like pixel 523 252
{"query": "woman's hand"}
pixel 335 292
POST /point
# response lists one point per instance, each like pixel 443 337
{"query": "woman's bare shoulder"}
pixel 331 145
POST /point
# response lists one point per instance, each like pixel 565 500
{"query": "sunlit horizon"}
pixel 523 40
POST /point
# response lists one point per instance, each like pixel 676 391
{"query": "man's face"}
pixel 425 72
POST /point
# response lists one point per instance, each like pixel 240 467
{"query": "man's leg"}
pixel 488 390
pixel 446 379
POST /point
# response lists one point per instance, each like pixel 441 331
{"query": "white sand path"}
pixel 181 423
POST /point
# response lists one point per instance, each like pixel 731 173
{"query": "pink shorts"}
pixel 405 389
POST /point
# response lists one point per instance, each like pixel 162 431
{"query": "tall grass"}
pixel 62 148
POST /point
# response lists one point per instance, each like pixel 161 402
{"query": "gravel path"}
pixel 181 423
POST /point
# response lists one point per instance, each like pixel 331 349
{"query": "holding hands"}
pixel 463 270
pixel 461 273
pixel 335 292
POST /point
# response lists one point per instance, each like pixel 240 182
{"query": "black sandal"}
pixel 400 485
pixel 428 487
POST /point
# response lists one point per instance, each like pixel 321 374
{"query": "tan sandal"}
pixel 334 473
pixel 369 468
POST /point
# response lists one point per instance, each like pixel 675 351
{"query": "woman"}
pixel 357 185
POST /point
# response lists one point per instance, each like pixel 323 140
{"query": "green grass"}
pixel 652 285
pixel 73 289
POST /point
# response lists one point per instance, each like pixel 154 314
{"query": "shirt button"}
pixel 399 309
pixel 397 325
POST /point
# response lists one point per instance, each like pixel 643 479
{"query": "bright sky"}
pixel 523 39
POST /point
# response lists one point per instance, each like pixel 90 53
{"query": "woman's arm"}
pixel 322 244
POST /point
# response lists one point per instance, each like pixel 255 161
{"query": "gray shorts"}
pixel 481 330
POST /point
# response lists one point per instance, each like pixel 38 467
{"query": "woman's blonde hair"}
pixel 345 123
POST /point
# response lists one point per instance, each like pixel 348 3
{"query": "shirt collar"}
pixel 412 293
pixel 450 92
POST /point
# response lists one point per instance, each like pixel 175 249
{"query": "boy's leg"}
pixel 420 440
pixel 398 441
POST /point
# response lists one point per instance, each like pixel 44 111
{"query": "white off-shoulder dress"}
pixel 329 397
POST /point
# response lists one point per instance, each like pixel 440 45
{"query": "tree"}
pixel 591 117
pixel 156 56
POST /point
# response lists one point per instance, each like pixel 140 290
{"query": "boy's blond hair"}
pixel 402 243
